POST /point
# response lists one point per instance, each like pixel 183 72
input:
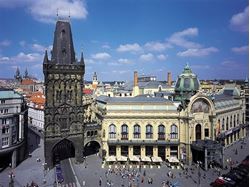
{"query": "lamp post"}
pixel 44 172
pixel 199 172
pixel 11 176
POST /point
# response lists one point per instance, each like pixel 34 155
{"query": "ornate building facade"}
pixel 154 127
pixel 64 108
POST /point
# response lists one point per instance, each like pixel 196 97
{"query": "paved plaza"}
pixel 90 173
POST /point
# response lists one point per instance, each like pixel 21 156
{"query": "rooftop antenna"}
pixel 57 14
pixel 69 15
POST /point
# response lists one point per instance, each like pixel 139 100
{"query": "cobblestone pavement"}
pixel 90 172
pixel 30 169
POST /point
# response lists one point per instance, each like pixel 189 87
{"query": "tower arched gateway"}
pixel 62 150
pixel 64 108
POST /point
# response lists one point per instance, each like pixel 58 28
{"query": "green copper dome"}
pixel 187 84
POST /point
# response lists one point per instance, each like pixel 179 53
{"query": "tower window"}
pixel 62 33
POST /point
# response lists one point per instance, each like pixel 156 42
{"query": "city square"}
pixel 124 93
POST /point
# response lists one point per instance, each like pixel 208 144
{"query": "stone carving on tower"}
pixel 64 110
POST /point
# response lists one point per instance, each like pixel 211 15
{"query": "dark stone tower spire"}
pixel 63 48
pixel 17 75
pixel 64 108
pixel 26 74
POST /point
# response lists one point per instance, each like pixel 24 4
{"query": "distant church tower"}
pixel 18 76
pixel 94 81
pixel 64 107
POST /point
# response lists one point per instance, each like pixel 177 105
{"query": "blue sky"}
pixel 118 37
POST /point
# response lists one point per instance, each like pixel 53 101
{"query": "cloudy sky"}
pixel 118 37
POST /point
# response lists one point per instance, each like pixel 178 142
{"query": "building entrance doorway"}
pixel 63 150
pixel 91 148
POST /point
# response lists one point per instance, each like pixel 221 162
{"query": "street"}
pixel 91 172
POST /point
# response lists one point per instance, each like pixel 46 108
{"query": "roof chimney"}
pixel 135 78
pixel 169 79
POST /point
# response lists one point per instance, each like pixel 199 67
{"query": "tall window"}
pixel 231 121
pixel 137 131
pixel 174 132
pixel 227 124
pixel 112 131
pixel 223 124
pixel 124 132
pixel 161 132
pixel 234 121
pixel 149 131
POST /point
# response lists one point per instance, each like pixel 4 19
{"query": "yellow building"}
pixel 153 128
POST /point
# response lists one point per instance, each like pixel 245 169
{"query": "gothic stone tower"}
pixel 63 107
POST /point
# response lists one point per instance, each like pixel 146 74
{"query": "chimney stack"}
pixel 135 78
pixel 169 79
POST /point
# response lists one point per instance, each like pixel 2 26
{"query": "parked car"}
pixel 59 175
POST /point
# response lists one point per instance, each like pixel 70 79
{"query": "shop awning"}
pixel 145 159
pixel 134 158
pixel 122 158
pixel 156 159
pixel 111 159
pixel 173 160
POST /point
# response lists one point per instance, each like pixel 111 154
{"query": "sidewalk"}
pixel 29 170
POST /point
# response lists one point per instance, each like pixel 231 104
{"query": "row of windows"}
pixel 149 131
pixel 227 124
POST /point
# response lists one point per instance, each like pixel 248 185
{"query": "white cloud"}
pixel 240 50
pixel 135 47
pixel 179 38
pixel 147 57
pixel 22 43
pixel 157 46
pixel 13 3
pixel 239 22
pixel 89 61
pixel 38 47
pixel 46 10
pixel 120 71
pixel 106 46
pixel 22 57
pixel 5 43
pixel 198 52
pixel 124 61
pixel 101 56
pixel 161 57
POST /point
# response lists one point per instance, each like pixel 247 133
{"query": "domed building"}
pixel 187 84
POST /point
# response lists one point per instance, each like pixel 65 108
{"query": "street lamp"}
pixel 11 176
pixel 199 172
pixel 44 172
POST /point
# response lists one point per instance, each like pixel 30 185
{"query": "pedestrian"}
pixel 144 173
pixel 236 151
pixel 142 179
pixel 100 181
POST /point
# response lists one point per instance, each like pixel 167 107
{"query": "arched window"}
pixel 174 132
pixel 161 132
pixel 149 131
pixel 137 131
pixel 124 132
pixel 227 124
pixel 112 131
pixel 223 124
